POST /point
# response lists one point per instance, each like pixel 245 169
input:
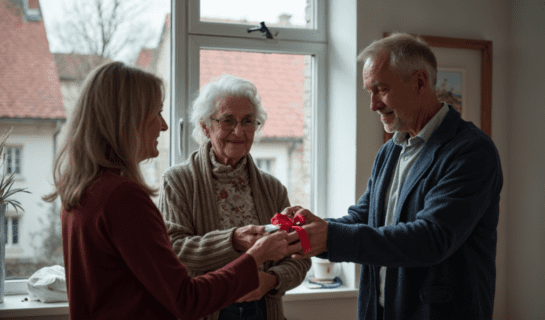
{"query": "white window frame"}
pixel 190 35
pixel 270 162
pixel 11 165
pixel 9 230
pixel 14 287
pixel 316 32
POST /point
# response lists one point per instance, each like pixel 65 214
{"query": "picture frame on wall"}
pixel 464 76
pixel 451 87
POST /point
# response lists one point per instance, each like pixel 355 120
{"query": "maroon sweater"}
pixel 119 263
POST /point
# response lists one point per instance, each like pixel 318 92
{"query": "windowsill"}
pixel 302 293
pixel 13 249
pixel 15 306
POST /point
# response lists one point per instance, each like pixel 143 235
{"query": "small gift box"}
pixel 283 222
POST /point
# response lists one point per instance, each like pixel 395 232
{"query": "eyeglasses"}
pixel 228 124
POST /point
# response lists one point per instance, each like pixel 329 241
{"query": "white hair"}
pixel 407 54
pixel 211 95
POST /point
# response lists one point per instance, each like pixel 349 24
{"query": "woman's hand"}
pixel 245 237
pixel 267 282
pixel 270 247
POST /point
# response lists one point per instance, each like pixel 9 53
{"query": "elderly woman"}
pixel 215 203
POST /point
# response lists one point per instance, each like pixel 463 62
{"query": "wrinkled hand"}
pixel 270 247
pixel 316 229
pixel 267 282
pixel 245 237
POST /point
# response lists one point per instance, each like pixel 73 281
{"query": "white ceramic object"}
pixel 325 269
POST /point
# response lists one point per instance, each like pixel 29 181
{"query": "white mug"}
pixel 325 269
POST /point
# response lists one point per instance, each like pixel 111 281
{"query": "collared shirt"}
pixel 411 148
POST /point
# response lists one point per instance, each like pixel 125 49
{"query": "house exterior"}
pixel 284 146
pixel 31 103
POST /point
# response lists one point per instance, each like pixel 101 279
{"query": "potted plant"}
pixel 6 193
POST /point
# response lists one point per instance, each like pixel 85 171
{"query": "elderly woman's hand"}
pixel 245 237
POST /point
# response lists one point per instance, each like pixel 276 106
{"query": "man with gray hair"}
pixel 425 230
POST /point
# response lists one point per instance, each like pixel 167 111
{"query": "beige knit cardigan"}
pixel 188 204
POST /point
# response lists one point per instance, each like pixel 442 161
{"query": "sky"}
pixel 255 10
pixel 52 11
pixel 251 10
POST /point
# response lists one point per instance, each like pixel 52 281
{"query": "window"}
pixel 265 165
pixel 11 225
pixel 288 71
pixel 13 160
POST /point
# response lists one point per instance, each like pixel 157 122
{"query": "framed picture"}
pixel 451 86
pixel 464 77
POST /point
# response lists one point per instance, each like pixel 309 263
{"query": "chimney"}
pixel 284 20
pixel 32 10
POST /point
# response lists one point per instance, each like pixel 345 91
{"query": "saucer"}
pixel 313 283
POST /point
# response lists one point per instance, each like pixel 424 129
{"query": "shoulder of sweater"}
pixel 110 182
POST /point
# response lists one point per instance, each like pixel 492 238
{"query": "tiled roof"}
pixel 33 4
pixel 74 66
pixel 29 84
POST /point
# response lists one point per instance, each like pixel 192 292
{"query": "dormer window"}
pixel 32 10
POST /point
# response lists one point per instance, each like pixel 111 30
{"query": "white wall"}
pixel 525 218
pixel 36 176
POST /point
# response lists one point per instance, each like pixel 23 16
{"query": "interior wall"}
pixel 484 20
pixel 525 257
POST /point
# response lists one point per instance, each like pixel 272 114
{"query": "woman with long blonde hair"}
pixel 118 259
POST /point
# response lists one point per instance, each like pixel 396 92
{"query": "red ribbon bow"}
pixel 287 224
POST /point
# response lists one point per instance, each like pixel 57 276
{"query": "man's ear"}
pixel 422 80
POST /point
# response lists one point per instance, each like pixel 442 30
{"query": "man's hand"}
pixel 245 237
pixel 267 282
pixel 316 229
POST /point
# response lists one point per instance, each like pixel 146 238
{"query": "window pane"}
pixel 64 39
pixel 283 82
pixel 14 231
pixel 278 13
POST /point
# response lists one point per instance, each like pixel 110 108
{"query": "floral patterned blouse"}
pixel 233 193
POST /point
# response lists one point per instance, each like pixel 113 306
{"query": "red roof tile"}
pixel 29 84
pixel 33 4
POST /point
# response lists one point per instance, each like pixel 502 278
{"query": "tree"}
pixel 112 29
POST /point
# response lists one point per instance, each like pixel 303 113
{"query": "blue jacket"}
pixel 441 249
